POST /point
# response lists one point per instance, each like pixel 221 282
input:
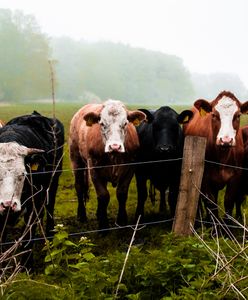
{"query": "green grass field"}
pixel 160 264
pixel 66 202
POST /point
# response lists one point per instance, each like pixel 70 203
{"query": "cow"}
pixel 219 121
pixel 161 142
pixel 31 151
pixel 244 189
pixel 104 140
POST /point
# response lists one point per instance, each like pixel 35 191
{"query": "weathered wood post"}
pixel 191 178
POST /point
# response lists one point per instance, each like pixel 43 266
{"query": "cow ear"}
pixel 149 115
pixel 184 116
pixel 244 108
pixel 203 106
pixel 91 118
pixel 35 161
pixel 136 117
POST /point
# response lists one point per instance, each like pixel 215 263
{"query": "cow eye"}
pixel 237 117
pixel 20 177
pixel 215 116
pixel 102 125
pixel 123 125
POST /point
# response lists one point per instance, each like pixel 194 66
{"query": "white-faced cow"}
pixel 219 122
pixel 31 150
pixel 102 136
pixel 161 139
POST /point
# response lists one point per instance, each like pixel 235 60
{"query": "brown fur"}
pixel 87 147
pixel 216 176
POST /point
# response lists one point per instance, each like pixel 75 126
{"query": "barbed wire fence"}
pixel 9 258
pixel 127 226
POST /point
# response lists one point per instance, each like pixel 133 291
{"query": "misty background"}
pixel 94 71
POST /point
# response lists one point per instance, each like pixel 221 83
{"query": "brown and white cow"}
pixel 219 122
pixel 103 135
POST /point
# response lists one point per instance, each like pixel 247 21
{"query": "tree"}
pixel 24 52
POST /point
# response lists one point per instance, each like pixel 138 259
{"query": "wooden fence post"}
pixel 191 177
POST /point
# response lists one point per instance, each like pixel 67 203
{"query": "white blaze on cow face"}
pixel 113 120
pixel 12 174
pixel 226 108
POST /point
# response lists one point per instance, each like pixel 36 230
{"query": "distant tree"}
pixel 24 52
pixel 119 71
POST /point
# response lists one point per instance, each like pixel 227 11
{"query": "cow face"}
pixel 225 112
pixel 166 130
pixel 12 174
pixel 113 120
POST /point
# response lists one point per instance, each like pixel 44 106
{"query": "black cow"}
pixel 31 150
pixel 161 138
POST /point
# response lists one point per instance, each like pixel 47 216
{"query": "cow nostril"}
pixel 115 147
pixel 7 203
pixel 226 141
pixel 14 206
pixel 165 148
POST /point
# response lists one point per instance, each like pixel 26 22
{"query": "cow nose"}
pixel 165 149
pixel 7 203
pixel 226 141
pixel 115 147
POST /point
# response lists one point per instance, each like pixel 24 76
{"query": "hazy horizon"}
pixel 208 35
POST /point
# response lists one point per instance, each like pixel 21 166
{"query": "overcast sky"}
pixel 209 35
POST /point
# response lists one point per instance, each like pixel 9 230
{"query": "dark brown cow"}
pixel 219 122
pixel 103 135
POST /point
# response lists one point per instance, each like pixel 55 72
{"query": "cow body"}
pixel 103 135
pixel 219 122
pixel 161 139
pixel 30 144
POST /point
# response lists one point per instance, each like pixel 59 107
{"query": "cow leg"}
pixel 81 186
pixel 233 195
pixel 162 204
pixel 32 217
pixel 103 201
pixel 121 194
pixel 172 199
pixel 211 206
pixel 238 201
pixel 142 195
pixel 50 204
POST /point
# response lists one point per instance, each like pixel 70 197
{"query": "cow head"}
pixel 166 129
pixel 113 120
pixel 12 174
pixel 225 110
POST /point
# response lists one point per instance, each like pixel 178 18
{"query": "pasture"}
pixel 188 254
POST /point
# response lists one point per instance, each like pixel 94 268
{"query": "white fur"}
pixel 113 119
pixel 12 175
pixel 226 108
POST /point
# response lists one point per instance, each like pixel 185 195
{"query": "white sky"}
pixel 209 35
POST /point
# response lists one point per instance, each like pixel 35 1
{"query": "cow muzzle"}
pixel 226 142
pixel 13 205
pixel 166 149
pixel 115 147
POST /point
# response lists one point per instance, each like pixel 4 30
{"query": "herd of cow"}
pixel 109 143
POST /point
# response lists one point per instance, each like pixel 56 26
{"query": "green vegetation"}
pixel 159 266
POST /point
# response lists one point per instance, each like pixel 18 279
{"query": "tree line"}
pixel 93 71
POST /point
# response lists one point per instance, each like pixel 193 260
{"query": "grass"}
pixel 114 244
pixel 66 201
